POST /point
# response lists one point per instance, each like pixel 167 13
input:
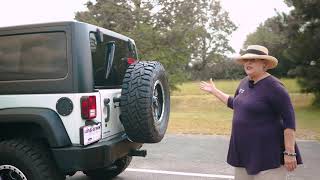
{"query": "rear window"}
pixel 33 56
pixel 119 65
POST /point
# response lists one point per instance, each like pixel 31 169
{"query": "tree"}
pixel 273 35
pixel 303 26
pixel 117 15
pixel 221 68
pixel 203 26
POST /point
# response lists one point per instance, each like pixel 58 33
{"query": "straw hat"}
pixel 258 52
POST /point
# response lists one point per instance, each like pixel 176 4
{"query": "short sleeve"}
pixel 281 103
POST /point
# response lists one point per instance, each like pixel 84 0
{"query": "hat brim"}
pixel 272 62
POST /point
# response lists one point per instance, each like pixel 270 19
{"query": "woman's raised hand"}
pixel 208 87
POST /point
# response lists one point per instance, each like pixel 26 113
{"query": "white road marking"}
pixel 180 173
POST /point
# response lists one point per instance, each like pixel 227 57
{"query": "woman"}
pixel 262 144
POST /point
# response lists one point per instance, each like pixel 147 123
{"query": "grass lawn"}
pixel 194 112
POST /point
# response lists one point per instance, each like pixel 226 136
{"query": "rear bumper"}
pixel 98 155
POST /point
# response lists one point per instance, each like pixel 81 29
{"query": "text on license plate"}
pixel 90 134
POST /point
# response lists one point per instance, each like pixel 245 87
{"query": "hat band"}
pixel 254 51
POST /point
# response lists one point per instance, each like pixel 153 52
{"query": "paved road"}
pixel 201 157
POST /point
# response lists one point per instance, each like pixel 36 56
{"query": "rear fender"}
pixel 48 121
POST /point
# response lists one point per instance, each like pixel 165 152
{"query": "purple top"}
pixel 261 113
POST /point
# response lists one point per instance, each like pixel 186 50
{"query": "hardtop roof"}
pixel 64 23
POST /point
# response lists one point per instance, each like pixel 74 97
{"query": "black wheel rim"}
pixel 9 172
pixel 158 102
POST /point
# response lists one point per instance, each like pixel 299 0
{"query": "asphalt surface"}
pixel 201 157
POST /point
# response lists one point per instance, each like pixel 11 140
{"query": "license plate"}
pixel 90 134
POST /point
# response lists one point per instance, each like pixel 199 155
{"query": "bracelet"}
pixel 289 154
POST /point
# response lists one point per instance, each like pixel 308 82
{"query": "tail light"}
pixel 131 60
pixel 88 107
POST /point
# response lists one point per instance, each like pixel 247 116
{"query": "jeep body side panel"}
pixel 39 85
pixel 71 122
pixel 47 119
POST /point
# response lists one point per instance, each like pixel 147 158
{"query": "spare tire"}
pixel 145 102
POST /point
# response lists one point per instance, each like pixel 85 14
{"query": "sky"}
pixel 246 14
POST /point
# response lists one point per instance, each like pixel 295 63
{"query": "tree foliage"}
pixel 294 39
pixel 273 35
pixel 303 32
pixel 221 68
pixel 173 32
